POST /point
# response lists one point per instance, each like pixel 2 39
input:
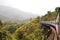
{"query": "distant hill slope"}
pixel 30 30
pixel 12 14
pixel 50 16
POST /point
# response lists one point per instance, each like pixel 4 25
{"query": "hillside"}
pixel 30 30
pixel 50 16
pixel 13 14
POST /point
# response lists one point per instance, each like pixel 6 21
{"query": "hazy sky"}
pixel 39 7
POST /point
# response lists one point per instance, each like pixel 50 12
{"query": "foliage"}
pixel 30 30
pixel 49 16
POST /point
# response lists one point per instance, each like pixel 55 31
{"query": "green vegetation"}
pixel 27 31
pixel 49 16
pixel 30 30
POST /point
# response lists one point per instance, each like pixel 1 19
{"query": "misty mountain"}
pixel 13 14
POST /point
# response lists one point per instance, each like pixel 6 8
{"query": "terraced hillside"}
pixel 31 30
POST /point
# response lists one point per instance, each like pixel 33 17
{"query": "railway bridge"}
pixel 54 26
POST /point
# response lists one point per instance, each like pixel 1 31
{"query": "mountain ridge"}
pixel 14 14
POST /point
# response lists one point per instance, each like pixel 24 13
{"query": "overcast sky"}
pixel 39 7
